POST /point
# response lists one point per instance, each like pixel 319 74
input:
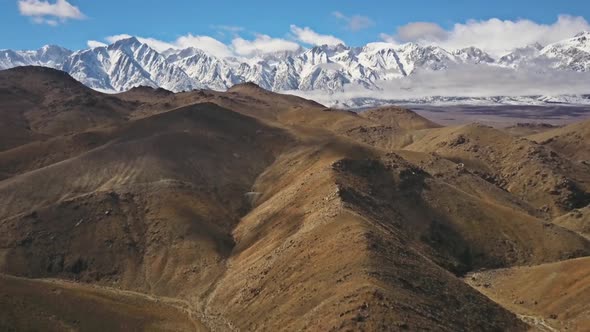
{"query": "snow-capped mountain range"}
pixel 128 63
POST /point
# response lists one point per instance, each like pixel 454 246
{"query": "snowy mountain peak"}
pixel 127 43
pixel 333 48
pixel 376 46
pixel 176 55
pixel 473 55
pixel 129 62
pixel 53 49
pixel 409 46
pixel 52 54
pixel 581 41
pixel 570 54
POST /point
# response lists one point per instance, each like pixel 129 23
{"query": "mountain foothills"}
pixel 128 63
pixel 252 210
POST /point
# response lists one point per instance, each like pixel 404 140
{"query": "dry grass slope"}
pixel 51 305
pixel 572 141
pixel 531 171
pixel 552 297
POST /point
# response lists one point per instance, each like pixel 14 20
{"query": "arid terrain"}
pixel 250 210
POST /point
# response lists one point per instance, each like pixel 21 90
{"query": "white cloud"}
pixel 239 46
pixel 494 36
pixel 421 31
pixel 43 11
pixel 355 22
pixel 308 36
pixel 95 43
pixel 156 44
pixel 205 43
pixel 465 81
pixel 262 44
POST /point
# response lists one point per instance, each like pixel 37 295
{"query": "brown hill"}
pixel 388 128
pixel 342 268
pixel 527 129
pixel 577 220
pixel 531 171
pixel 399 118
pixel 551 297
pixel 572 141
pixel 250 210
pixel 148 188
pixel 39 102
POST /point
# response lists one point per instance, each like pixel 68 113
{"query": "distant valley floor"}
pixel 502 115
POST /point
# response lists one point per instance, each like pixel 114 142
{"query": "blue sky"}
pixel 352 22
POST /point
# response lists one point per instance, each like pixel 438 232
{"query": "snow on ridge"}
pixel 328 69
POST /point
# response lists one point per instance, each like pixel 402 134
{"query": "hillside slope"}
pixel 551 297
pixel 52 305
pixel 537 174
pixel 572 141
pixel 39 102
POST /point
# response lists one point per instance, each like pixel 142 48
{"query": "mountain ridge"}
pixel 128 63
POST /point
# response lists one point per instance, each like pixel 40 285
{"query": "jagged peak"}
pixel 534 46
pixel 410 45
pixel 319 49
pixel 126 42
pixel 470 49
pixel 189 51
pixel 50 47
pixel 283 54
pixel 174 55
pixel 580 40
pixel 328 48
pixel 519 52
pixel 378 46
